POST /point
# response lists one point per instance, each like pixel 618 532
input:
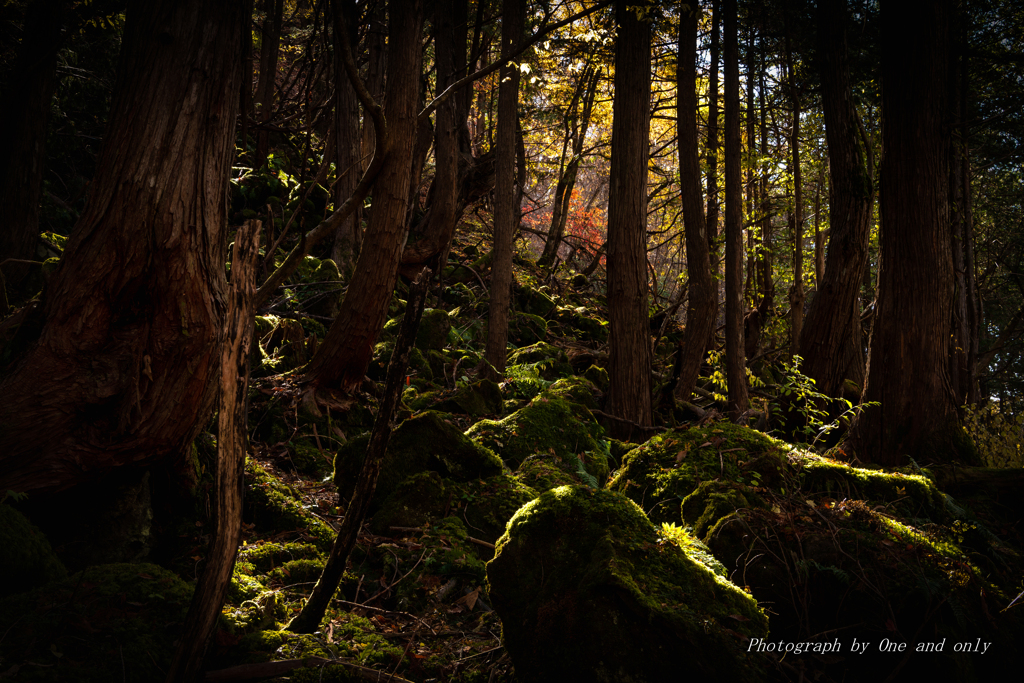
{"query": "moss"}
pixel 265 556
pixel 295 572
pixel 659 474
pixel 26 559
pixel 713 500
pixel 550 360
pixel 265 610
pixel 108 623
pixel 587 590
pixel 576 389
pixel 433 331
pixel 582 326
pixel 272 506
pixel 427 441
pixel 414 503
pixel 476 399
pixel 525 328
pixel 533 301
pixel 488 504
pixel 545 424
pixel 542 474
pixel 598 376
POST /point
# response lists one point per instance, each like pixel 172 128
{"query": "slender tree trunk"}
pixel 346 140
pixel 753 201
pixel 712 145
pixel 819 236
pixel 736 374
pixel 341 361
pixel 908 367
pixel 121 372
pixel 506 214
pixel 267 86
pixel 797 297
pixel 308 620
pixel 834 314
pixel 630 339
pixel 700 308
pixel 23 120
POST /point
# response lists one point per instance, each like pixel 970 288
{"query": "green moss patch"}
pixel 26 559
pixel 588 590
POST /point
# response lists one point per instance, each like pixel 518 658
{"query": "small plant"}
pixel 524 380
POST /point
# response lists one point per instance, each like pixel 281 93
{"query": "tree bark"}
pixel 347 235
pixel 712 147
pixel 265 89
pixel 797 297
pixel 121 372
pixel 836 305
pixel 736 373
pixel 506 214
pixel 700 306
pixel 23 121
pixel 908 367
pixel 232 443
pixel 341 361
pixel 308 620
pixel 629 340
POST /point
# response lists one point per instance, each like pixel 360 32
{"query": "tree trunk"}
pixel 819 237
pixel 346 139
pixel 23 121
pixel 700 307
pixel 341 361
pixel 232 443
pixel 712 145
pixel 267 86
pixel 908 367
pixel 308 620
pixel 506 214
pixel 797 297
pixel 835 308
pixel 736 373
pixel 121 372
pixel 630 339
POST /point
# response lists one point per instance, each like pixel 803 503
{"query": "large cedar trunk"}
pixel 700 307
pixel 506 214
pixel 736 373
pixel 908 370
pixel 833 318
pixel 121 372
pixel 630 338
pixel 712 146
pixel 269 44
pixel 23 119
pixel 342 359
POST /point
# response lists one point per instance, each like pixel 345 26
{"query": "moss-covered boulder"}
pixel 26 559
pixel 533 301
pixel 659 474
pixel 598 376
pixel 550 361
pixel 526 328
pixel 427 441
pixel 576 389
pixel 581 325
pixel 545 425
pixel 486 505
pixel 587 590
pixel 542 473
pixel 113 622
pixel 433 331
pixel 476 399
pixel 272 507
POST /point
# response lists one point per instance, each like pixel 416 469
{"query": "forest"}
pixel 509 341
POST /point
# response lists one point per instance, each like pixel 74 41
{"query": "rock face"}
pixel 588 590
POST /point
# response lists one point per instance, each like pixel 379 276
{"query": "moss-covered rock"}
pixel 433 331
pixel 414 503
pixel 113 622
pixel 545 425
pixel 476 399
pixel 576 389
pixel 581 325
pixel 659 474
pixel 424 442
pixel 541 473
pixel 533 301
pixel 526 328
pixel 550 361
pixel 26 559
pixel 588 590
pixel 598 376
